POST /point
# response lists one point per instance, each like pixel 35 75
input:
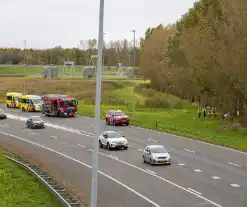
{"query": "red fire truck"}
pixel 59 105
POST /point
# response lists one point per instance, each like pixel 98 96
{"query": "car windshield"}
pixel 70 103
pixel 114 135
pixel 118 114
pixel 158 150
pixel 37 101
pixel 36 118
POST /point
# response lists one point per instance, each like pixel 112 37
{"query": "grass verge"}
pixel 171 114
pixel 183 122
pixel 19 188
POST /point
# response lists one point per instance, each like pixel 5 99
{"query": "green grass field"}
pixel 172 114
pixel 18 188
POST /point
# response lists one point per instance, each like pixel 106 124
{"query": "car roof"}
pixel 35 117
pixel 155 146
pixel 110 132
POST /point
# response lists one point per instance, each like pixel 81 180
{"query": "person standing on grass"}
pixel 199 113
pixel 204 112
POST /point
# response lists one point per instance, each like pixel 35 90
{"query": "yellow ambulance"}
pixel 31 103
pixel 13 99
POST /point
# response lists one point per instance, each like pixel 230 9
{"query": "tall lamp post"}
pixel 97 108
pixel 134 64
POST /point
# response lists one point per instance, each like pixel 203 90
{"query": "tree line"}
pixel 114 52
pixel 202 57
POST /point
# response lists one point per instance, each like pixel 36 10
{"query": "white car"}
pixel 156 154
pixel 112 140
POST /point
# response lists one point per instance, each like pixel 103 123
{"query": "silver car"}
pixel 156 154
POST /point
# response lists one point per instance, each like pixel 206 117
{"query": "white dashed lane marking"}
pixel 216 177
pixel 181 164
pixel 190 151
pixel 235 185
pixel 80 145
pixel 230 163
pixel 53 137
pixel 197 170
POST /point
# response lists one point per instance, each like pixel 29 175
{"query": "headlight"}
pixel 113 142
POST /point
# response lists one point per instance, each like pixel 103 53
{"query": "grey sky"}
pixel 48 23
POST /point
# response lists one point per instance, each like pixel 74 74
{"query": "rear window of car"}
pixel 118 113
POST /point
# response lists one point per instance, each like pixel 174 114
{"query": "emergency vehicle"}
pixel 59 105
pixel 31 103
pixel 13 99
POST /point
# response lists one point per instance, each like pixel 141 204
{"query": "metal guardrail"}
pixel 60 192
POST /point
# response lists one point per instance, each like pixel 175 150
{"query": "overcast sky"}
pixel 49 23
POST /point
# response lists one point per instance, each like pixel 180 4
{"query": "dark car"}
pixel 3 115
pixel 35 122
pixel 116 117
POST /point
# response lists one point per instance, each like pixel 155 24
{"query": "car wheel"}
pixel 144 159
pixel 127 124
pixel 100 144
pixel 108 146
pixel 27 125
pixel 23 109
pixel 7 105
pixel 125 148
pixel 151 162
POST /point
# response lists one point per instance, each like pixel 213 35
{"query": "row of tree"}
pixel 202 57
pixel 114 52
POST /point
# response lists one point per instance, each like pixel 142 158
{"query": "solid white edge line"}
pixel 86 165
pixel 230 163
pixel 186 138
pixel 151 171
pixel 165 180
pixel 194 191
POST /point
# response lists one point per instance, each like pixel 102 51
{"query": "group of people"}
pixel 207 111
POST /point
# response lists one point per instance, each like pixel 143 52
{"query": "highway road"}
pixel 201 174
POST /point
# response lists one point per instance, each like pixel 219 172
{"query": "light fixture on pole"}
pixel 134 64
pixel 97 108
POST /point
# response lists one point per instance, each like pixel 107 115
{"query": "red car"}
pixel 116 117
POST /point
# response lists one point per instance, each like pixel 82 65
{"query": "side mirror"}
pixel 105 136
pixel 123 136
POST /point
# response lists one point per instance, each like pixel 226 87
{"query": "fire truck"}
pixel 59 105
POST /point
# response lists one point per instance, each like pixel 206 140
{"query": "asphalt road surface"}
pixel 201 174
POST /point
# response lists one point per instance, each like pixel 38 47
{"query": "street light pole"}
pixel 25 46
pixel 97 108
pixel 103 68
pixel 134 64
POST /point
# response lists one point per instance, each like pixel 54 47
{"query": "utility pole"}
pixel 103 68
pixel 51 56
pixel 134 64
pixel 25 57
pixel 97 108
pixel 25 63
